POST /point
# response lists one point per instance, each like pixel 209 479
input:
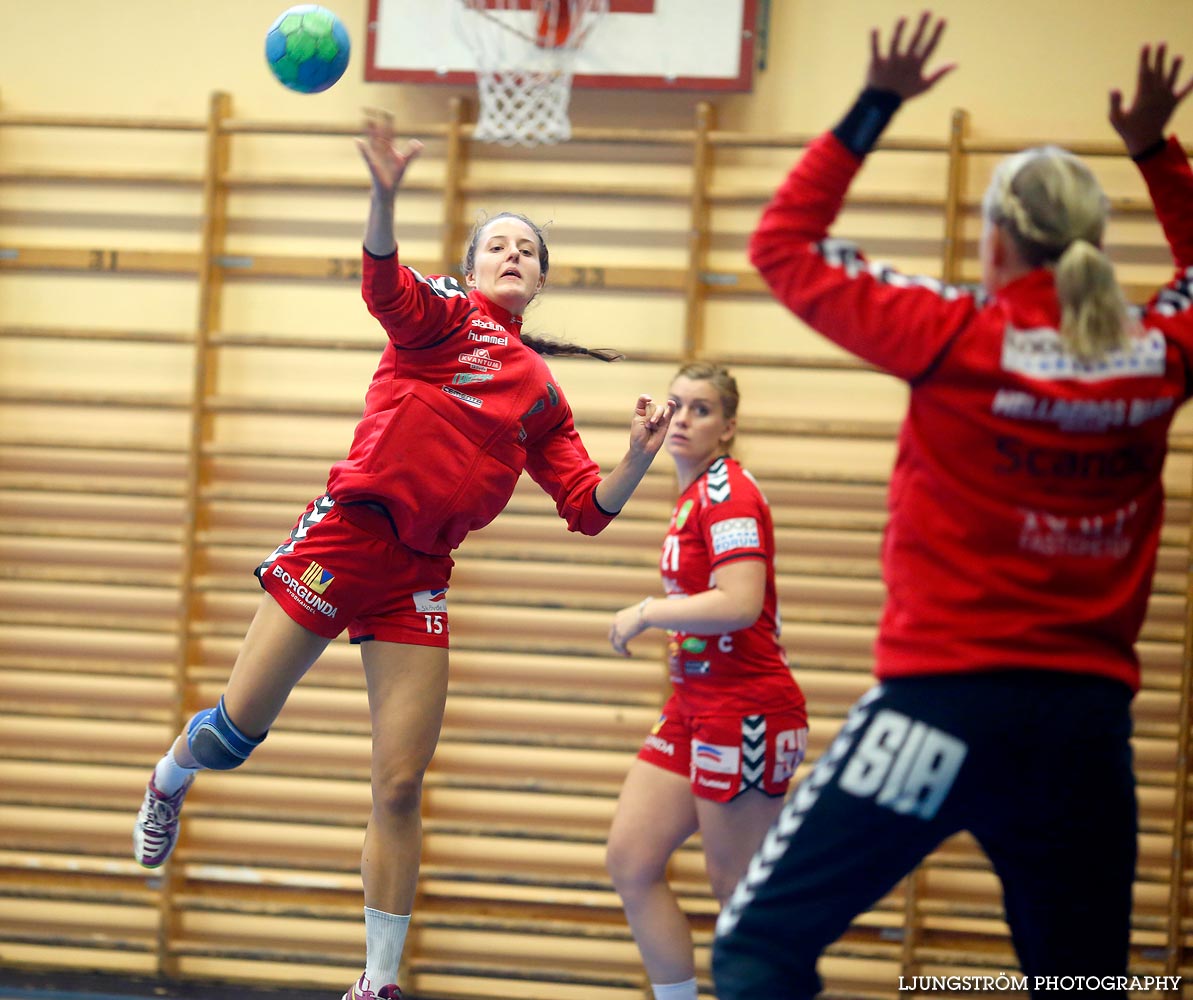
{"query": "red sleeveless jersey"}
pixel 719 518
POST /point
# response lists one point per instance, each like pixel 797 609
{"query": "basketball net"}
pixel 525 53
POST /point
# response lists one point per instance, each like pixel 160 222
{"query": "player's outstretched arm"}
pixel 648 428
pixel 897 72
pixel 1165 168
pixel 387 165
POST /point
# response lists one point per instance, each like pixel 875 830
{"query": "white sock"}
pixel 385 936
pixel 169 775
pixel 676 991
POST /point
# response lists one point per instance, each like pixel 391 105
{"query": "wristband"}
pixel 1156 147
pixel 873 110
pixel 642 613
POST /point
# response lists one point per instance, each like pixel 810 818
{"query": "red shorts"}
pixel 723 755
pixel 343 567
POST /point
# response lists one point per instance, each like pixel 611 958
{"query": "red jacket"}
pixel 457 408
pixel 1026 499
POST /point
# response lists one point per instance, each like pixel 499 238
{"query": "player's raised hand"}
pixel 649 426
pixel 385 161
pixel 1157 94
pixel 901 68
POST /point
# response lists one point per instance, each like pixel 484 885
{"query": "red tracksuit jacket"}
pixel 457 408
pixel 1026 499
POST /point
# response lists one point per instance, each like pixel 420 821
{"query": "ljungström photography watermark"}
pixel 1061 984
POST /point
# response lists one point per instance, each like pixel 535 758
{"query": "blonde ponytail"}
pixel 1093 311
pixel 1054 210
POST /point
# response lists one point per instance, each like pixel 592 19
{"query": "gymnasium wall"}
pixel 183 352
pixel 1029 69
pixel 1046 78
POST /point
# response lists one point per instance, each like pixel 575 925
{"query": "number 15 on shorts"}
pixel 432 605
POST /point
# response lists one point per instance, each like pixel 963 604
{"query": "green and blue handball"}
pixel 307 48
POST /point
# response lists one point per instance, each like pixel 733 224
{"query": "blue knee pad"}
pixel 216 743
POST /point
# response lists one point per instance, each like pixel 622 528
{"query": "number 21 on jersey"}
pixel 669 563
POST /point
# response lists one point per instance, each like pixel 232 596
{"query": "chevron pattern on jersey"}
pixel 718 482
pixel 1177 296
pixel 443 285
pixel 848 257
pixel 753 751
pixel 317 513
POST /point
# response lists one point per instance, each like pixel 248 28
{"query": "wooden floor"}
pixel 40 985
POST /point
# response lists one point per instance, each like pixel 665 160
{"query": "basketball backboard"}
pixel 650 44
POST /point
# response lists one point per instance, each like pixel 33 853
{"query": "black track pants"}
pixel 1036 765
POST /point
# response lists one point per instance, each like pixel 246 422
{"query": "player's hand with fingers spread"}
pixel 648 429
pixel 385 161
pixel 1157 94
pixel 901 68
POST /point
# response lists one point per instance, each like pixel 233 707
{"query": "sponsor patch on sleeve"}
pixel 735 533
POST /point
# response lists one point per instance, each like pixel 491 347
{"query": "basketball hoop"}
pixel 525 53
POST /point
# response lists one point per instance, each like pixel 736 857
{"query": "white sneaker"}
pixel 360 991
pixel 156 830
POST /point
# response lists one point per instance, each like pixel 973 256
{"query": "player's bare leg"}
pixel 407 692
pixel 274 656
pixel 731 833
pixel 655 815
